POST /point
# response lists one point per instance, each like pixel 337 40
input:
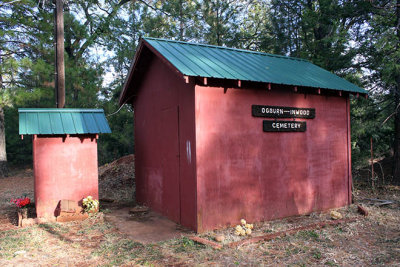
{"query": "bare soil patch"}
pixel 144 227
pixel 18 185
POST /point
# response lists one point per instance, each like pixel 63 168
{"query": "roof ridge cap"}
pixel 227 48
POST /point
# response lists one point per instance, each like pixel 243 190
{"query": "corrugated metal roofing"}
pixel 62 121
pixel 229 63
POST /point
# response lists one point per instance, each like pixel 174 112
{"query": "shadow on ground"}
pixel 144 227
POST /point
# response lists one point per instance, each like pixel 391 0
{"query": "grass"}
pixel 311 234
pixel 330 263
pixel 12 241
pixel 54 228
pixel 373 240
pixel 185 244
pixel 317 254
pixel 117 251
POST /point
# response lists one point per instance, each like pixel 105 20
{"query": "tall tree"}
pixel 254 30
pixel 27 68
pixel 221 20
pixel 381 47
pixel 319 31
pixel 21 44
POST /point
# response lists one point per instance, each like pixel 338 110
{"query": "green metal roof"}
pixel 62 121
pixel 229 63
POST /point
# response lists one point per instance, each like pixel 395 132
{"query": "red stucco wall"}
pixel 243 172
pixel 164 143
pixel 64 168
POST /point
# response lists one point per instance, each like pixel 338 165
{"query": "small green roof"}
pixel 62 121
pixel 228 63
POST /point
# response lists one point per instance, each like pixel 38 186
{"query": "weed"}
pixel 105 210
pixel 185 244
pixel 293 251
pixel 145 263
pixel 91 225
pixel 331 263
pixel 309 234
pixel 153 252
pixel 339 229
pixel 118 251
pixel 54 228
pixel 316 254
pixel 15 240
pixel 11 241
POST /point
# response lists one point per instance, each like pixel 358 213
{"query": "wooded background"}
pixel 357 40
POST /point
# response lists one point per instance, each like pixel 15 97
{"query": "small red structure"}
pixel 223 134
pixel 64 154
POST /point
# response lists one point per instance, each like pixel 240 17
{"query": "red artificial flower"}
pixel 21 202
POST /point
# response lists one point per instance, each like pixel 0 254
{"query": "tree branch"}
pixel 100 29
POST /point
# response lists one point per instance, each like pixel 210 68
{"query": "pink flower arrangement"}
pixel 21 202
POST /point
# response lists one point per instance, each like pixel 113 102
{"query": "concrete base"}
pixel 69 218
pixel 33 221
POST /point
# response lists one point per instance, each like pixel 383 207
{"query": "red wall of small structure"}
pixel 165 145
pixel 243 172
pixel 64 168
pixel 203 161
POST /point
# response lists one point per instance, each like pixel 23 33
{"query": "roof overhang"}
pixel 134 69
pixel 60 121
pixel 138 66
pixel 123 98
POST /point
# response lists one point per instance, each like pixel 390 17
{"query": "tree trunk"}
pixel 396 160
pixel 60 82
pixel 3 154
pixel 181 22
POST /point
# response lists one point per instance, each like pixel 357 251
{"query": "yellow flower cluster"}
pixel 90 204
pixel 243 229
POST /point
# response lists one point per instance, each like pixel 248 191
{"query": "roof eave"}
pixel 122 98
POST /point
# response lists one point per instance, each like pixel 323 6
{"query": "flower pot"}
pixel 23 213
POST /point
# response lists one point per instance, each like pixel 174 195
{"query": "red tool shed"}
pixel 223 134
pixel 64 154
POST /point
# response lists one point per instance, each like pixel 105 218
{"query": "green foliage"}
pixel 19 152
pixel 118 251
pixel 319 31
pixel 316 254
pixel 367 117
pixel 311 234
pixel 185 244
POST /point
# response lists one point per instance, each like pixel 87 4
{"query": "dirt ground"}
pixel 369 241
